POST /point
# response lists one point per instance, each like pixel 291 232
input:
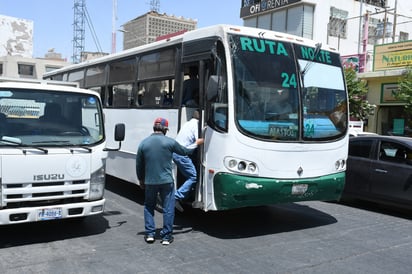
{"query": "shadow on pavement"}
pixel 238 223
pixel 49 231
pixel 127 190
pixel 253 221
pixel 378 208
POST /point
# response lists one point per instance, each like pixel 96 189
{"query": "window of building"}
pixel 279 21
pixel 26 70
pixel 372 31
pixel 264 21
pixel 297 20
pixel 337 23
pixel 378 3
pixel 403 36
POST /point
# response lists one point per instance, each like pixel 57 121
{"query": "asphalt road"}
pixel 308 237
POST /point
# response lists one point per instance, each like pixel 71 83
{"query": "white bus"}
pixel 52 152
pixel 254 154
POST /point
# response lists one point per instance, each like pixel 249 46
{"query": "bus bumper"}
pixel 235 191
pixel 44 213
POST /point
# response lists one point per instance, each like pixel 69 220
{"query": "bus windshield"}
pixel 284 91
pixel 49 118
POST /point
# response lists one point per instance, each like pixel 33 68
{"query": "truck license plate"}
pixel 299 189
pixel 49 213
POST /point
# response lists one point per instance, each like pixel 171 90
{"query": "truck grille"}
pixel 43 193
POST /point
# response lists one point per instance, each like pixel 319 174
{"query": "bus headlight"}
pixel 241 166
pixel 340 164
pixel 97 183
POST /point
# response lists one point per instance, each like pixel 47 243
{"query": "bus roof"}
pixel 45 85
pixel 215 30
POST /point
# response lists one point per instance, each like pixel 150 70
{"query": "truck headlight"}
pixel 97 183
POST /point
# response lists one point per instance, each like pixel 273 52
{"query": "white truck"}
pixel 52 152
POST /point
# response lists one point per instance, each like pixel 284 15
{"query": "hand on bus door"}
pixel 199 141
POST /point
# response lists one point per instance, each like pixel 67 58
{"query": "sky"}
pixel 53 19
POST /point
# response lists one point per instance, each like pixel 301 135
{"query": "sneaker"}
pixel 178 206
pixel 167 241
pixel 149 239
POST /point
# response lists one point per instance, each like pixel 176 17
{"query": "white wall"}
pixel 16 36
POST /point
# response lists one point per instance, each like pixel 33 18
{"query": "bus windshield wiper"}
pixel 11 141
pixel 309 63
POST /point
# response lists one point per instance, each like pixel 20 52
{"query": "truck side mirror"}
pixel 119 132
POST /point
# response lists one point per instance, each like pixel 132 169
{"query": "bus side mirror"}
pixel 219 118
pixel 119 132
pixel 213 86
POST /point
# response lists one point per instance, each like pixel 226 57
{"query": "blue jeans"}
pixel 166 192
pixel 188 170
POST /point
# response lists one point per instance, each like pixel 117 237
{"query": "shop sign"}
pixel 392 56
pixel 388 93
pixel 254 7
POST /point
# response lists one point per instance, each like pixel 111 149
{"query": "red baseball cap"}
pixel 162 121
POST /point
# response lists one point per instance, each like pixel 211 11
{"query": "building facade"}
pixel 28 68
pixel 16 51
pixel 357 28
pixel 152 25
pixel 16 36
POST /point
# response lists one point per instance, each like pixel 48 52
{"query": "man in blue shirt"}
pixel 154 171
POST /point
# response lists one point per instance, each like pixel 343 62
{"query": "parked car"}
pixel 379 169
pixel 353 133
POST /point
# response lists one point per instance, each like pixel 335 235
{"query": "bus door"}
pixel 192 100
pixel 208 55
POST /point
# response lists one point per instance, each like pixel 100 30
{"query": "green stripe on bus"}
pixel 235 191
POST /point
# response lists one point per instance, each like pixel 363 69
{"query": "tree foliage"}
pixel 359 107
pixel 404 93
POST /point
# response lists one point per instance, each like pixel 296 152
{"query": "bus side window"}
pixel 216 92
pixel 122 95
pixel 109 99
pixel 190 95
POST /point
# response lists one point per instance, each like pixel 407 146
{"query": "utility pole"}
pixel 114 19
pixel 394 21
pixel 360 26
pixel 78 30
pixel 385 19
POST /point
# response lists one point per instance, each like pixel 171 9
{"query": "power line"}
pixel 92 30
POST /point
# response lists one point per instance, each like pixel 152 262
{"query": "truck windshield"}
pixel 274 100
pixel 49 118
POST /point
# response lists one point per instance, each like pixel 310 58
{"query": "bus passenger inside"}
pixel 278 105
pixel 191 88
